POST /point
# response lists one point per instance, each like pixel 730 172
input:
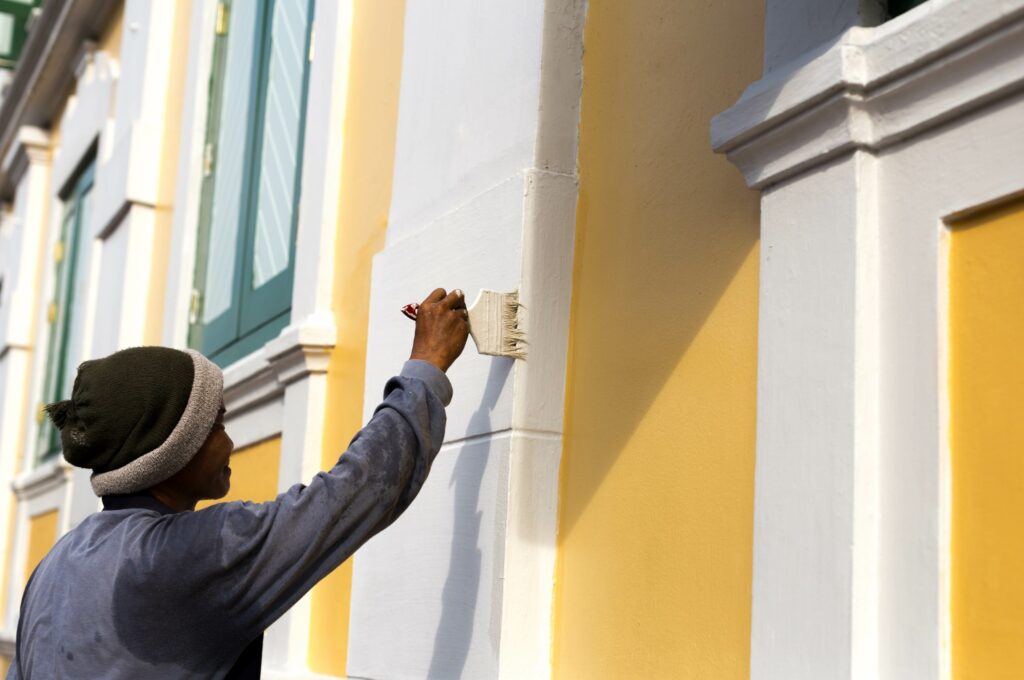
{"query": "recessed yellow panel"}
pixel 254 471
pixel 986 281
pixel 42 534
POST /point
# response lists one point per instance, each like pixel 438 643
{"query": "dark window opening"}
pixel 898 7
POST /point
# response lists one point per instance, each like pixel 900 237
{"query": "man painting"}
pixel 151 588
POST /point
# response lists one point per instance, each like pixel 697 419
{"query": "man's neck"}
pixel 172 500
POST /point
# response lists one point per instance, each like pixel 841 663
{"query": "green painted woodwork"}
pixel 14 15
pixel 63 346
pixel 228 328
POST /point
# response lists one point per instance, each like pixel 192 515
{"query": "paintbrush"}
pixel 493 323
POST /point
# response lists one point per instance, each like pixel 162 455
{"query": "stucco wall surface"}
pixel 427 595
pixel 469 105
pixel 655 527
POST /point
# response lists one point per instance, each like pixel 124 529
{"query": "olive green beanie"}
pixel 138 416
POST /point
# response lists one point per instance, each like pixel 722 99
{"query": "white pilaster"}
pixel 28 166
pixel 300 363
pixel 484 196
pixel 864 153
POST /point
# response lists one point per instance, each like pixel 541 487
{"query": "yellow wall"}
pixel 656 516
pixel 364 197
pixel 254 472
pixel 986 393
pixel 42 534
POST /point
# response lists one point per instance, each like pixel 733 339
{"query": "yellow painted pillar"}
pixel 986 320
pixel 370 125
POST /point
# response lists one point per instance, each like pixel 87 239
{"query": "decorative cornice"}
pixel 46 477
pixel 300 350
pixel 31 145
pixel 875 87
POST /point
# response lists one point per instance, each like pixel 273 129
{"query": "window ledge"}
pixel 302 349
pixel 42 479
pixel 254 386
pixel 875 87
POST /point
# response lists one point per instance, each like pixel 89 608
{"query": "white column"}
pixel 484 196
pixel 864 153
pixel 817 424
pixel 28 166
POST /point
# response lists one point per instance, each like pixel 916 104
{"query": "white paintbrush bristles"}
pixel 494 324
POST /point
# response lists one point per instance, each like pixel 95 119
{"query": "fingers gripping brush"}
pixel 493 324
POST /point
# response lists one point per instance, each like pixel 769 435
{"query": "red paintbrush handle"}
pixel 411 310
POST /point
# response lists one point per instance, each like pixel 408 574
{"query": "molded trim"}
pixel 875 87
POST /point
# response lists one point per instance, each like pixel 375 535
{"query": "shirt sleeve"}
pixel 242 565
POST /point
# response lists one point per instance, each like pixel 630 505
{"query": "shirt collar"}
pixel 140 500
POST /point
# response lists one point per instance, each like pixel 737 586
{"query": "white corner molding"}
pixel 875 87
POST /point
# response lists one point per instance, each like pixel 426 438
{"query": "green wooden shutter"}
pixel 64 315
pixel 268 259
pixel 249 201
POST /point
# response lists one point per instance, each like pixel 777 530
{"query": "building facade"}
pixel 769 256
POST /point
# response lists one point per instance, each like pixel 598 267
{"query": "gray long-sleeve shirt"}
pixel 136 593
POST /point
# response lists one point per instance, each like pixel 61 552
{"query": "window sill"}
pixel 254 385
pixel 42 479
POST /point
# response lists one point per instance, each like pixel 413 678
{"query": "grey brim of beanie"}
pixel 180 446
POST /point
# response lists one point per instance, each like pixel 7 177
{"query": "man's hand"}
pixel 442 326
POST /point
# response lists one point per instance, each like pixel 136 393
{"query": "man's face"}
pixel 208 474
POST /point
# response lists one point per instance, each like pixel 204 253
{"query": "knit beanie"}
pixel 138 416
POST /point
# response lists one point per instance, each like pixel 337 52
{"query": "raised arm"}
pixel 247 563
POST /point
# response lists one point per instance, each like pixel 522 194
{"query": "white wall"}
pixel 428 594
pixel 467 117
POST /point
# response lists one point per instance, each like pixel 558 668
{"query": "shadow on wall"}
pixel 657 479
pixel 663 228
pixel 459 598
